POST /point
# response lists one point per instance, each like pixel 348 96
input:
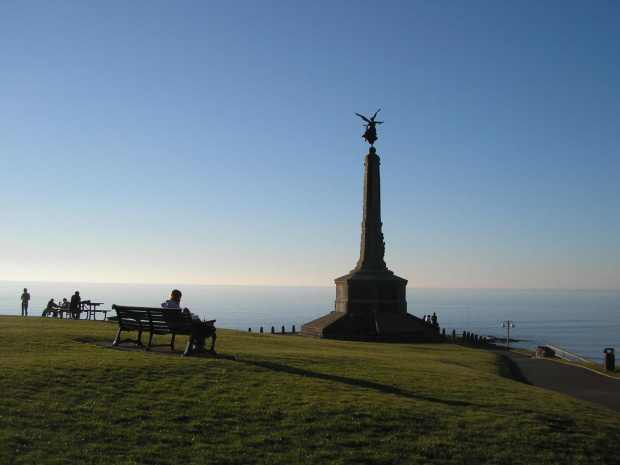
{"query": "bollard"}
pixel 443 332
pixel 273 330
pixel 464 337
pixel 249 330
pixel 261 330
pixel 609 359
pixel 293 329
pixel 454 334
pixel 283 330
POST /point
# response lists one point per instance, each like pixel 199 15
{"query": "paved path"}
pixel 572 380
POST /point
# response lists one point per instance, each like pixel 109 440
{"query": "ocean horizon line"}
pixel 439 288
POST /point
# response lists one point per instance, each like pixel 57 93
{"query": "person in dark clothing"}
pixel 25 299
pixel 51 308
pixel 203 329
pixel 75 306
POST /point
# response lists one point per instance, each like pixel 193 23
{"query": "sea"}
pixel 582 322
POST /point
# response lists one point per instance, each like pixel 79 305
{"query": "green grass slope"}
pixel 66 399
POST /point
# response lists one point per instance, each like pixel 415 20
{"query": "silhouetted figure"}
pixel 25 299
pixel 64 304
pixel 203 329
pixel 371 131
pixel 51 306
pixel 434 319
pixel 75 306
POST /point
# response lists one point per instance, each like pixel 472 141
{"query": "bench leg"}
pixel 148 346
pixel 118 338
pixel 188 349
pixel 118 341
pixel 172 341
pixel 213 338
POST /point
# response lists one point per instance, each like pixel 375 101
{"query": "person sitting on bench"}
pixel 204 329
pixel 51 306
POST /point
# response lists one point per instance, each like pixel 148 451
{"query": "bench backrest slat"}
pixel 154 319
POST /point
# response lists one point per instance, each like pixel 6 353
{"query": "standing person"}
pixel 434 319
pixel 25 299
pixel 204 329
pixel 74 305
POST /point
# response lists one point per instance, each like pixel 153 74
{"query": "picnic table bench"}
pixel 155 320
pixel 91 310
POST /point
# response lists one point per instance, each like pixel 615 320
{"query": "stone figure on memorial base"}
pixel 371 130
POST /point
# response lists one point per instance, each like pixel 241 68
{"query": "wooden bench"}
pixel 155 320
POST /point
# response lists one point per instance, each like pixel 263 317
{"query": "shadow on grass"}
pixel 383 388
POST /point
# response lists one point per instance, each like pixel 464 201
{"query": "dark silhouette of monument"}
pixel 371 130
pixel 371 301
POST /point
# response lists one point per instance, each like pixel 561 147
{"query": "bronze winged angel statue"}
pixel 371 131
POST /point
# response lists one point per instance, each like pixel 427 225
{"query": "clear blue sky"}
pixel 212 142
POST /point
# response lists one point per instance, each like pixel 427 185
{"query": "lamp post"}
pixel 508 324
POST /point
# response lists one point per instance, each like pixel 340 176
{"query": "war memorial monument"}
pixel 371 303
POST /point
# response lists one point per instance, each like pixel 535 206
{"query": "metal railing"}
pixel 568 355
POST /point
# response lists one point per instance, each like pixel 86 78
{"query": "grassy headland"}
pixel 66 399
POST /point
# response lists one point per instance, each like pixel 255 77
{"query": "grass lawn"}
pixel 284 399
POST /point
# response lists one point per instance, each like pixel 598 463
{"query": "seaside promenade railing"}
pixel 568 355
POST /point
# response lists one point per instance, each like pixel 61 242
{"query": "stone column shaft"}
pixel 372 247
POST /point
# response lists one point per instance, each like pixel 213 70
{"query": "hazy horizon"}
pixel 20 284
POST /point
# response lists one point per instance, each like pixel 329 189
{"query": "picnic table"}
pixel 91 310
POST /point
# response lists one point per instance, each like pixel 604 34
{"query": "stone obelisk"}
pixel 371 288
pixel 372 248
pixel 371 301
